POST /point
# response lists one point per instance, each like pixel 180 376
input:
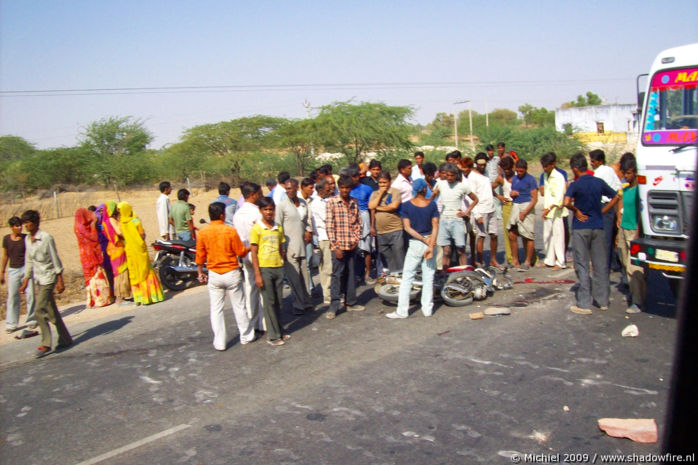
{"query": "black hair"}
pixel 579 161
pixel 628 164
pixel 521 163
pixel 314 175
pixel 182 194
pixel 265 202
pixel 270 182
pixel 249 189
pixel 283 177
pixel 384 175
pixel 548 159
pixel 345 181
pixel 507 163
pixel 293 181
pixel 626 156
pixel 598 155
pixel 31 216
pixel 402 164
pixel 223 188
pixel 489 147
pixel 15 221
pixel 429 168
pixel 307 182
pixel 419 154
pixel 92 208
pixel 215 210
pixel 374 163
pixel 501 144
pixel 192 206
pixel 454 154
pixel 354 166
pixel 164 185
pixel 353 171
pixel 325 170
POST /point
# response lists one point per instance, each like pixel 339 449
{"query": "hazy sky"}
pixel 277 54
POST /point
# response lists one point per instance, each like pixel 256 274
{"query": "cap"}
pixel 418 185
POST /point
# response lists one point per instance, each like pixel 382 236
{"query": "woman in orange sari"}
pixel 145 284
pixel 117 253
pixel 96 284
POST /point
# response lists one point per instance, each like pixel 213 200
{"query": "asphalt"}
pixel 146 386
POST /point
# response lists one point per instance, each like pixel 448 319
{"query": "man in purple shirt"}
pixel 522 221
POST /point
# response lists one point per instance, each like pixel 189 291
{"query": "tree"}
pixel 534 116
pixel 298 136
pixel 14 148
pixel 232 140
pixel 354 129
pixel 582 101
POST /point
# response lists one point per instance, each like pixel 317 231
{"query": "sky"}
pixel 177 64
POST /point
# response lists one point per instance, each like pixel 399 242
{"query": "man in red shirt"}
pixel 219 246
pixel 343 225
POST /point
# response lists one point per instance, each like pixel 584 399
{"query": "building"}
pixel 597 119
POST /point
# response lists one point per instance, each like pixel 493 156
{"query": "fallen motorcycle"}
pixel 458 287
pixel 175 263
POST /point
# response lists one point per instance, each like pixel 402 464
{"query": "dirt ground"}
pixel 143 202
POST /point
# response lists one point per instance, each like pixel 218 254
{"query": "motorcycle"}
pixel 175 263
pixel 458 287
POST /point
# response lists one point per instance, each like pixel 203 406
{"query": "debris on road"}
pixel 565 409
pixel 477 316
pixel 497 311
pixel 642 430
pixel 630 331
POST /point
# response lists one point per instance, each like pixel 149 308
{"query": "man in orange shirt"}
pixel 219 246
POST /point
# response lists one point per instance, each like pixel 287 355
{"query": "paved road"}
pixel 146 386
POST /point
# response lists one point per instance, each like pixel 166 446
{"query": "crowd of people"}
pixel 365 225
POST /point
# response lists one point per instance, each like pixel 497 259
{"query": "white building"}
pixel 600 119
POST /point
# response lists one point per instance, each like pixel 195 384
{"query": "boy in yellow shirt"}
pixel 268 256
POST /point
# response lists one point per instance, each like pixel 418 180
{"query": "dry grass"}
pixel 143 202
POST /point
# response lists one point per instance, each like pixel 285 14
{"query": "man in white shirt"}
pixel 417 171
pixel 403 182
pixel 243 220
pixel 162 209
pixel 280 192
pixel 318 208
pixel 451 192
pixel 484 219
pixel 597 160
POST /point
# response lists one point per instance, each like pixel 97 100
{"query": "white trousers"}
pixel 253 297
pixel 554 241
pixel 218 286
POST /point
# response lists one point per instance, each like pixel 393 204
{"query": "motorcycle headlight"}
pixel 665 223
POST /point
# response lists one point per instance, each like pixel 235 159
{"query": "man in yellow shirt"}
pixel 553 214
pixel 219 246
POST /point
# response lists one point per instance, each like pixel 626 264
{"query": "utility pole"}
pixel 306 104
pixel 455 120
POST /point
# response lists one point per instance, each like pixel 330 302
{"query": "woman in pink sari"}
pixel 117 254
pixel 97 287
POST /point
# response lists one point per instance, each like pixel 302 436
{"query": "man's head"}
pixel 354 173
pixel 419 158
pixel 547 161
pixel 307 187
pixel 501 148
pixel 466 166
pixel 429 170
pixel 490 150
pixel 419 187
pixel 628 167
pixel 481 162
pixel 216 211
pixel 251 191
pixel 507 165
pixel 375 167
pixel 165 187
pixel 384 180
pixel 578 164
pixel 183 195
pixel 223 188
pixel 283 177
pixel 451 172
pixel 442 173
pixel 267 208
pixel 270 183
pixel 404 167
pixel 322 189
pixel 192 209
pixel 597 158
pixel 15 224
pixel 345 185
pixel 291 186
pixel 454 157
pixel 331 183
pixel 325 170
pixel 31 220
pixel 521 168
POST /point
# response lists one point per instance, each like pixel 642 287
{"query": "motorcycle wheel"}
pixel 456 296
pixel 169 278
pixel 391 292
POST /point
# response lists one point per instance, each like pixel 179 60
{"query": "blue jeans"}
pixel 14 281
pixel 184 236
pixel 413 259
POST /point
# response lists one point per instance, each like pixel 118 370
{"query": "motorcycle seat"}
pixel 187 244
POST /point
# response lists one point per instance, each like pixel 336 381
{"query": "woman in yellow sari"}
pixel 145 284
pixel 117 253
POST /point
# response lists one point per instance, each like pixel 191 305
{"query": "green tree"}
pixel 584 101
pixel 534 116
pixel 14 148
pixel 354 129
pixel 299 137
pixel 231 141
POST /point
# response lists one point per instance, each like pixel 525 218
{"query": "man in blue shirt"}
pixel 230 204
pixel 588 237
pixel 522 221
pixel 362 193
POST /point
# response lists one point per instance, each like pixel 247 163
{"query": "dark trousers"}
pixel 343 280
pixel 391 247
pixel 271 300
pixel 610 230
pixel 46 310
pixel 590 246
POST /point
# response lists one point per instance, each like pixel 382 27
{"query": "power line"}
pixel 251 88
